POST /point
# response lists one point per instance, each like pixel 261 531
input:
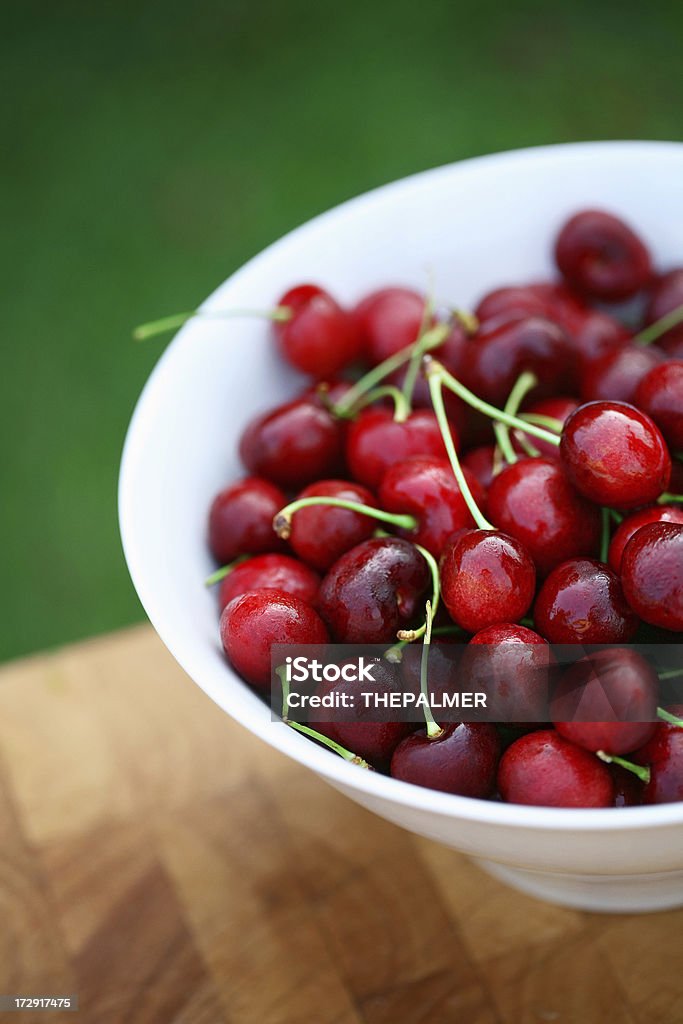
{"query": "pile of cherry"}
pixel 522 465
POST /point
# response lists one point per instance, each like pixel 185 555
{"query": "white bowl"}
pixel 474 225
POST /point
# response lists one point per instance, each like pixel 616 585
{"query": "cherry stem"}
pixel 528 447
pixel 436 381
pixel 394 654
pixel 434 368
pixel 415 359
pixel 666 716
pixel 549 422
pixel 348 755
pixel 224 571
pixel 605 535
pixel 282 523
pixel 667 499
pixel 520 389
pixel 171 323
pixel 672 673
pixel 402 407
pixel 659 327
pixel 430 340
pixel 641 771
pixel 434 730
pixel 414 634
pixel 616 516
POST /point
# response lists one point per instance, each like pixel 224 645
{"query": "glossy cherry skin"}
pixel 426 489
pixel 664 755
pixel 241 519
pixel 660 395
pixel 595 335
pixel 250 624
pixel 601 257
pixel 543 769
pixel 487 577
pixel 387 321
pixel 615 455
pixel 294 444
pixel 666 295
pixel 376 441
pixel 321 534
pixel 628 788
pixel 582 602
pixel 652 574
pixel 616 686
pixel 513 666
pixel 320 338
pixel 270 572
pixel 373 590
pixel 643 517
pixel 501 352
pixel 462 760
pixel 533 501
pixel 512 301
pixel 559 408
pixel 480 463
pixel 616 375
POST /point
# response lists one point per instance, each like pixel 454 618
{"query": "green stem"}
pixel 526 444
pixel 394 653
pixel 171 323
pixel 401 404
pixel 668 499
pixel 616 516
pixel 282 523
pixel 414 634
pixel 434 730
pixel 641 771
pixel 520 389
pixel 549 422
pixel 605 536
pixel 672 673
pixel 225 570
pixel 666 716
pixel 430 340
pixel 435 369
pixel 659 327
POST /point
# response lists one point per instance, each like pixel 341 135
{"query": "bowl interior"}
pixel 471 226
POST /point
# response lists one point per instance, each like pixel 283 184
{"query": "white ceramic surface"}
pixel 474 225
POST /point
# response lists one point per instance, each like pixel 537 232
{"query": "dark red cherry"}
pixel 373 590
pixel 644 516
pixel 666 295
pixel 607 701
pixel 660 395
pixel 510 302
pixel 462 760
pixel 615 455
pixel 616 375
pixel 558 408
pixel 512 665
pixel 652 574
pixel 663 753
pixel 628 788
pixel 595 335
pixel 320 534
pixel 502 351
pixel 426 488
pixel 545 770
pixel 376 441
pixel 250 624
pixel 270 572
pixel 388 320
pixel 487 577
pixel 480 463
pixel 582 602
pixel 241 519
pixel 601 257
pixel 294 444
pixel 320 338
pixel 533 501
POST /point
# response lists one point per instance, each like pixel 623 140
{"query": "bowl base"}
pixel 602 894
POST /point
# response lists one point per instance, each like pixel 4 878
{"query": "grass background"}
pixel 149 148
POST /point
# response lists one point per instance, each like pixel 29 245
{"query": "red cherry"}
pixel 327 393
pixel 581 602
pixel 480 464
pixel 601 257
pixel 388 320
pixel 320 534
pixel 512 301
pixel 666 295
pixel 502 351
pixel 596 335
pixel 512 664
pixel 664 755
pixel 241 519
pixel 426 488
pixel 652 574
pixel 615 455
pixel 616 375
pixel 270 572
pixel 293 444
pixel 626 529
pixel 628 788
pixel 453 353
pixel 558 408
pixel 534 502
pixel 545 770
pixel 377 441
pixel 462 760
pixel 250 624
pixel 373 590
pixel 617 688
pixel 486 578
pixel 320 338
pixel 660 395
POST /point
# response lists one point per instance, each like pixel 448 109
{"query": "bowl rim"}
pixel 302 750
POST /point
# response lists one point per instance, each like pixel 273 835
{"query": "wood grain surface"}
pixel 168 867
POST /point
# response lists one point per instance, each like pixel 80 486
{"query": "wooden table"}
pixel 166 866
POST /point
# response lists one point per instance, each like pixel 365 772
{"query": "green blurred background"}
pixel 150 148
